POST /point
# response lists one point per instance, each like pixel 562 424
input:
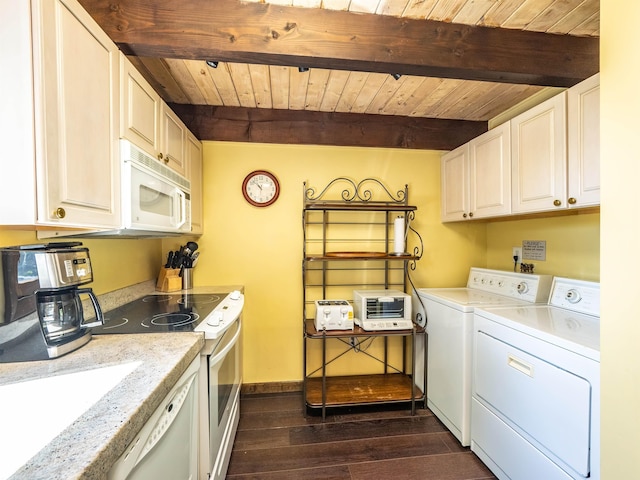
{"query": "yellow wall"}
pixel 262 247
pixel 116 263
pixel 573 244
pixel 620 168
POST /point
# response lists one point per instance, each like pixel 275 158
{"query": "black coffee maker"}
pixel 41 313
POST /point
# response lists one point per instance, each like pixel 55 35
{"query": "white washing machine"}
pixel 536 386
pixel 448 313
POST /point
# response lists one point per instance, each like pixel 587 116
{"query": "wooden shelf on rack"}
pixel 311 332
pixel 361 389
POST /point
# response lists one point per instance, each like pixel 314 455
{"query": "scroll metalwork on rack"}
pixel 356 192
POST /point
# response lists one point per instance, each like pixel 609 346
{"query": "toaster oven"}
pixel 382 309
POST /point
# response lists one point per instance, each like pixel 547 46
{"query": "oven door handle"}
pixel 217 356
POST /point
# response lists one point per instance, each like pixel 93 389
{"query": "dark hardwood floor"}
pixel 276 441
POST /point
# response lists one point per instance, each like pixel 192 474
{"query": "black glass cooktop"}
pixel 159 313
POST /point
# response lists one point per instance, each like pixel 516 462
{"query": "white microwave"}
pixel 154 197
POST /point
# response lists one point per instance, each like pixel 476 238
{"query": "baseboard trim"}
pixel 271 387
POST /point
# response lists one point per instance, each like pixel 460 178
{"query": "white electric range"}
pixel 447 314
pixel 214 415
pixel 536 386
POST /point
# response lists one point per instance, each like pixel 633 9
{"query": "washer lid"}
pixel 466 299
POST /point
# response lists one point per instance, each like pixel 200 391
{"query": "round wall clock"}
pixel 261 188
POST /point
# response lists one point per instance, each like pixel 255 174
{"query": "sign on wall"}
pixel 534 249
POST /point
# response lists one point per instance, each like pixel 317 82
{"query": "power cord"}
pixel 515 262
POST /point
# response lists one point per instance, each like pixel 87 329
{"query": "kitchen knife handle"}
pixel 169 260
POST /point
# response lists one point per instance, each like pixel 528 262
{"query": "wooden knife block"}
pixel 169 280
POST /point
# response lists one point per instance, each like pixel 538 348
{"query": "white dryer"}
pixel 536 386
pixel 448 314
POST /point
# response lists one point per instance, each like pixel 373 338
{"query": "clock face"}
pixel 260 188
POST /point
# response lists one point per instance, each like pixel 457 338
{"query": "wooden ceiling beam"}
pixel 258 33
pixel 237 124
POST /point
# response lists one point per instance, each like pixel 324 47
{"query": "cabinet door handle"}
pixel 557 203
pixel 572 201
pixel 470 214
pixel 520 365
pixel 464 215
pixel 160 156
pixel 59 212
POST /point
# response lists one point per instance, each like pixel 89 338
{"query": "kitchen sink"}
pixel 34 412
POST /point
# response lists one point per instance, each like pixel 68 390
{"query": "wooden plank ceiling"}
pixel 392 73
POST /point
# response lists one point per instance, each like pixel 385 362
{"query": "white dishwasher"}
pixel 167 445
pixel 536 386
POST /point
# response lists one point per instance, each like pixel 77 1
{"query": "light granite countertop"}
pixel 90 445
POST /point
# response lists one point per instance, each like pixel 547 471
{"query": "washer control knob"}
pixel 522 287
pixel 573 296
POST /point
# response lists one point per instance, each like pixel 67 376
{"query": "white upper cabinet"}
pixel 476 177
pixel 173 141
pixel 454 176
pixel 17 164
pixel 65 82
pixel 583 103
pixel 539 157
pixel 490 173
pixel 194 164
pixel 545 159
pixel 148 122
pixel 139 109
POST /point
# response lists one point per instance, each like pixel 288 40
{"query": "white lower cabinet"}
pixel 62 130
pixel 476 177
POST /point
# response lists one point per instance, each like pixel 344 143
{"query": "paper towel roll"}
pixel 398 235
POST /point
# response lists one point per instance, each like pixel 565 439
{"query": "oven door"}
pixel 225 378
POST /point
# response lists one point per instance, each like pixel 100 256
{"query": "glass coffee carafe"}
pixel 61 313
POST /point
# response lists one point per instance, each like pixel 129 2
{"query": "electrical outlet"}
pixel 517 252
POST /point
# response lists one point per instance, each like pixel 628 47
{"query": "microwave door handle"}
pixel 183 208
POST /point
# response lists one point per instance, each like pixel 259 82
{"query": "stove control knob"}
pixel 522 287
pixel 573 296
pixel 235 295
pixel 216 317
